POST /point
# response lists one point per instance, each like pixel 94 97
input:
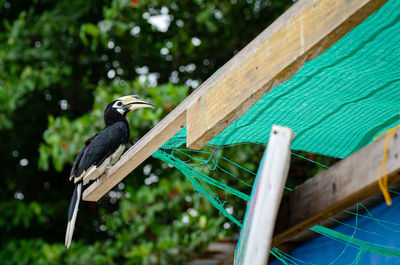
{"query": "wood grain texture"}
pixel 139 152
pixel 228 74
pixel 302 33
pixel 149 143
pixel 336 189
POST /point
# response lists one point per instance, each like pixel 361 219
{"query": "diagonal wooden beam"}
pixel 137 154
pixel 354 12
pixel 148 144
pixel 334 190
pixel 302 33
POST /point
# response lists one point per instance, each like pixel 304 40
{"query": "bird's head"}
pixel 129 103
pixel 121 106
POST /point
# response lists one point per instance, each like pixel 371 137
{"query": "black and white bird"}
pixel 101 151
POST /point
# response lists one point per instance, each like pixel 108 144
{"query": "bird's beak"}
pixel 133 102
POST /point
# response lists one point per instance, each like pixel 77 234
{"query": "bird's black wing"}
pixel 102 146
pixel 79 156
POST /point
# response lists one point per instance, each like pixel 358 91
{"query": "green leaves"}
pixel 16 214
pixel 30 59
pixel 60 64
pixel 64 137
pixel 144 229
pixel 91 30
pixel 156 232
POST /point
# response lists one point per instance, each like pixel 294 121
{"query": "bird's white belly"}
pixel 115 156
pixel 95 172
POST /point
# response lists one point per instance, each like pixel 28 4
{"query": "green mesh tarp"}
pixel 336 103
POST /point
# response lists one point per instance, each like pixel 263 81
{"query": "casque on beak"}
pixel 133 102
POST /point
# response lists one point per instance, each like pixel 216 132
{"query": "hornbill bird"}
pixel 101 151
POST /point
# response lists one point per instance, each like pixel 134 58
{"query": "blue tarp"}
pixel 379 225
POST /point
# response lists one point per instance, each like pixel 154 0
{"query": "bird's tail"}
pixel 72 213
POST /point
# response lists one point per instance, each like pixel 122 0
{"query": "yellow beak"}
pixel 133 102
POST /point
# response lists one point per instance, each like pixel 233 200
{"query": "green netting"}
pixel 336 104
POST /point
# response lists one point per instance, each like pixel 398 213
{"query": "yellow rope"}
pixel 383 181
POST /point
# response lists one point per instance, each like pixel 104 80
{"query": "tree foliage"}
pixel 61 62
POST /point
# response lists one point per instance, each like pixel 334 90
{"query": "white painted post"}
pixel 258 226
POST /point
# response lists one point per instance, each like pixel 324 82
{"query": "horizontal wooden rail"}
pixel 243 79
pixel 302 33
pixel 347 182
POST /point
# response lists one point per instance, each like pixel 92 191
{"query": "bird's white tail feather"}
pixel 72 219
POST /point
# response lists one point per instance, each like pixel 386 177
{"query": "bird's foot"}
pixel 106 170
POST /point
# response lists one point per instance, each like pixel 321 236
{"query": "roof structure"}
pixel 302 33
pixel 341 67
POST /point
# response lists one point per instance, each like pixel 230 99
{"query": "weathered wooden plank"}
pixel 153 140
pixel 258 227
pixel 336 189
pixel 149 143
pixel 139 152
pixel 303 32
pixel 171 124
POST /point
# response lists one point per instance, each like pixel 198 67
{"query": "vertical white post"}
pixel 258 226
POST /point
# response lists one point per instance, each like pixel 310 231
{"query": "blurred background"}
pixel 61 62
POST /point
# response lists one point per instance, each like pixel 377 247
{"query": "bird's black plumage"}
pixel 104 144
pixel 101 151
pixel 78 158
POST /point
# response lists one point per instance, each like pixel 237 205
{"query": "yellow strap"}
pixel 383 182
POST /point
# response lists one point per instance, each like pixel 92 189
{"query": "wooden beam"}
pixel 149 143
pixel 139 152
pixel 302 33
pixel 171 124
pixel 347 182
pixel 153 140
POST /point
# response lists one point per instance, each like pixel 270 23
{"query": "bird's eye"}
pixel 119 103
